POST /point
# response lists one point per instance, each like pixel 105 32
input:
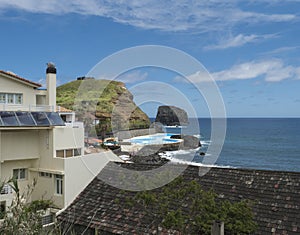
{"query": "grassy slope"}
pixel 102 97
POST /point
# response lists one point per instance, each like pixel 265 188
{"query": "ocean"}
pixel 253 143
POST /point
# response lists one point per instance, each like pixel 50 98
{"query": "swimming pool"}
pixel 154 139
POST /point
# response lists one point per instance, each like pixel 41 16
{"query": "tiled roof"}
pixel 20 78
pixel 63 109
pixel 276 197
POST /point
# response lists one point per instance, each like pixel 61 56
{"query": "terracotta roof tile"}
pixel 20 78
pixel 63 109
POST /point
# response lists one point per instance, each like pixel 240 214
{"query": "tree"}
pixel 185 207
pixel 23 217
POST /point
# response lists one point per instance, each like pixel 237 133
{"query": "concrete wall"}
pixel 45 189
pixel 80 171
pixel 19 144
pixel 48 161
pixel 7 171
pixel 65 138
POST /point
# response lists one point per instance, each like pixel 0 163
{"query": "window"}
pixel 7 189
pixel 2 98
pixel 2 209
pixel 48 219
pixel 77 152
pixel 19 173
pixel 18 98
pixel 60 153
pixel 11 98
pixel 68 153
pixel 59 184
pixel 45 174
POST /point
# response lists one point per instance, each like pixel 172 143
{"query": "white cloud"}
pixel 282 50
pixel 273 70
pixel 200 16
pixel 238 41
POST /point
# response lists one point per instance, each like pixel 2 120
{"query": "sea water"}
pixel 256 143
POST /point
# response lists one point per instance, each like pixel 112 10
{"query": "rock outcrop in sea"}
pixel 171 116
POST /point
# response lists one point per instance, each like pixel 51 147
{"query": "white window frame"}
pixel 11 98
pixel 59 183
pixel 74 152
pixel 2 98
pixel 18 98
pixel 45 174
pixel 20 173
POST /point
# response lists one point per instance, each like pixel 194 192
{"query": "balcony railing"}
pixel 29 108
pixel 75 124
pixel 7 189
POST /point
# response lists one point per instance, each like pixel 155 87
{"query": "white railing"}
pixel 7 189
pixel 29 108
pixel 74 124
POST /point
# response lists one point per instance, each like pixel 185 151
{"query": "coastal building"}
pixel 104 209
pixel 41 141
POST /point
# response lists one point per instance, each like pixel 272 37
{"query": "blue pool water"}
pixel 154 139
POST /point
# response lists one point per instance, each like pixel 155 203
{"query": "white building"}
pixel 36 143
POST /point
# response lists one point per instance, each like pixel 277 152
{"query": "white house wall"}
pixel 7 171
pixel 11 86
pixel 80 171
pixel 66 138
pixel 45 189
pixel 48 161
pixel 17 145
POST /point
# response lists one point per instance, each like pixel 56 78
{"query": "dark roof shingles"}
pixel 276 197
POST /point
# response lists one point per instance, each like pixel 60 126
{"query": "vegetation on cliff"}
pixel 108 101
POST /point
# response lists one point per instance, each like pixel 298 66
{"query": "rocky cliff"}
pixel 171 116
pixel 108 101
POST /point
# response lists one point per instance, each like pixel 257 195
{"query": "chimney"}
pixel 217 228
pixel 51 86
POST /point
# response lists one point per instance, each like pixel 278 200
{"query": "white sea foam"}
pixel 173 157
pixel 178 161
pixel 124 157
pixel 205 142
pixel 198 136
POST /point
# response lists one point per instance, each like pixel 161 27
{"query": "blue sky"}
pixel 251 48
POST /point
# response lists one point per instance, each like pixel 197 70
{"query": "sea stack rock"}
pixel 171 116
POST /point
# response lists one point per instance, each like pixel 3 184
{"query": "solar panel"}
pixel 25 119
pixel 9 119
pixel 55 119
pixel 41 118
pixel 19 118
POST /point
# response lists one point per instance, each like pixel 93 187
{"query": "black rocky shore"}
pixel 150 154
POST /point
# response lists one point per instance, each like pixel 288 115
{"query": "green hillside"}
pixel 108 101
